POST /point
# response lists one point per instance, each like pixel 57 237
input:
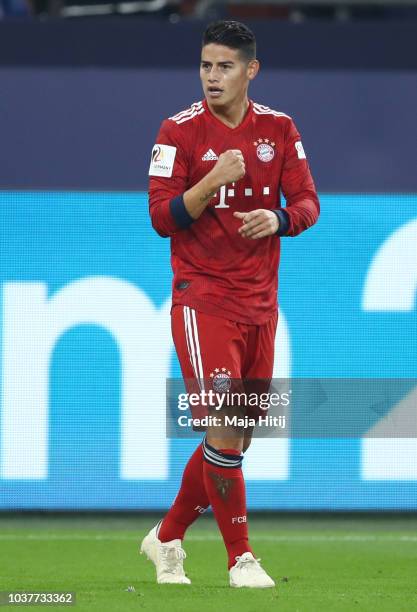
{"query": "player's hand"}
pixel 257 223
pixel 230 167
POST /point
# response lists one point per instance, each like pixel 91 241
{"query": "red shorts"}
pixel 212 350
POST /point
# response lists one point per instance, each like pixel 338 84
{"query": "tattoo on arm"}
pixel 207 196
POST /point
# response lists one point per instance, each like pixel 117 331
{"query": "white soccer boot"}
pixel 248 573
pixel 167 558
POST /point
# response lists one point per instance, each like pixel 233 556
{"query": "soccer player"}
pixel 216 173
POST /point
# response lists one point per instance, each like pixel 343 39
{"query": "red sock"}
pixel 225 488
pixel 190 503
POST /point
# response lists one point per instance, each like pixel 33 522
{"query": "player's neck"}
pixel 231 116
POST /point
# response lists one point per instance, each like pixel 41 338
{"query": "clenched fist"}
pixel 230 167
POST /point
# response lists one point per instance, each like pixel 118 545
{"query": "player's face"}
pixel 225 75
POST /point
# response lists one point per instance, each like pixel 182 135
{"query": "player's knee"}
pixel 246 444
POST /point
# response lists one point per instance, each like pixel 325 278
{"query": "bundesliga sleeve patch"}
pixel 162 160
pixel 300 150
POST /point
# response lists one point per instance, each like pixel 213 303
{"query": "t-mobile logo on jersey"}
pixel 239 519
pixel 230 192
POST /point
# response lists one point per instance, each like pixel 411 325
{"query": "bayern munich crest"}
pixel 265 149
pixel 221 379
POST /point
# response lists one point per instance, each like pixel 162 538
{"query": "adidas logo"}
pixel 209 156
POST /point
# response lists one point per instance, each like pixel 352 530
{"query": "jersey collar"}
pixel 241 125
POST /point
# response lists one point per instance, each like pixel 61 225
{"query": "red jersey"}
pixel 216 270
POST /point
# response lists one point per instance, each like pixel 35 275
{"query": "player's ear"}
pixel 253 69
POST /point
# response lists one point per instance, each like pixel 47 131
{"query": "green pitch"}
pixel 333 564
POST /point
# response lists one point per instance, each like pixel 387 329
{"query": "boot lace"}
pixel 172 558
pixel 246 562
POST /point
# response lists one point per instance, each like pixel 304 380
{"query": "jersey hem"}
pixel 223 313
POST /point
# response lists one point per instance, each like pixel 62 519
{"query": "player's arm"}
pixel 172 206
pixel 168 176
pixel 297 185
pixel 230 167
pixel 302 203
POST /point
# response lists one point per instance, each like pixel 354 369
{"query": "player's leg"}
pixel 191 500
pixel 258 366
pixel 225 486
pixel 210 350
pixel 197 338
pixel 247 438
pixel 223 477
pixel 258 369
pixel 163 543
